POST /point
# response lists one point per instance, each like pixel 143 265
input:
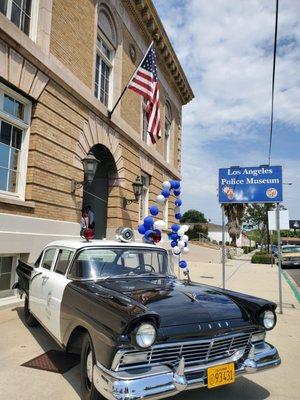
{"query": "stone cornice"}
pixel 149 21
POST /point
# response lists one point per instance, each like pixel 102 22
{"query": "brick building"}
pixel 63 64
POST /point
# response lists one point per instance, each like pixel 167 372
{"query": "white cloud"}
pixel 226 48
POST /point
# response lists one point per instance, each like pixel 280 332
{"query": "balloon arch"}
pixel 151 229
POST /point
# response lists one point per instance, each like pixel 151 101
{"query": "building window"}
pixel 104 59
pixel 144 121
pixel 144 199
pixel 7 274
pixel 105 53
pixel 14 137
pixel 19 12
pixel 167 132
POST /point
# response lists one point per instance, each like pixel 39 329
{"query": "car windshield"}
pixel 106 263
pixel 291 249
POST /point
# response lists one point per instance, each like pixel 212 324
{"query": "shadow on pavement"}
pixel 47 343
pixel 242 389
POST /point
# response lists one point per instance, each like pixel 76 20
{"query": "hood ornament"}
pixel 192 296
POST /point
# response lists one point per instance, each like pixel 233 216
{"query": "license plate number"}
pixel 220 375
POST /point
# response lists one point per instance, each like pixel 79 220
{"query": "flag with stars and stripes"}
pixel 145 83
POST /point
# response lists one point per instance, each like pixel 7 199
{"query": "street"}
pixel 295 274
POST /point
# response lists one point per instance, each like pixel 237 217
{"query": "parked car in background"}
pixel 141 332
pixel 290 256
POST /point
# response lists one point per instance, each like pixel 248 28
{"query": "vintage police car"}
pixel 141 332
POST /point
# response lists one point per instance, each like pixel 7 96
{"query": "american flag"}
pixel 145 83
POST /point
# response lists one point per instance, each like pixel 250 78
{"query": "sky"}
pixel 226 50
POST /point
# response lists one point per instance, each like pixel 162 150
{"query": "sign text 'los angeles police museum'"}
pixel 250 184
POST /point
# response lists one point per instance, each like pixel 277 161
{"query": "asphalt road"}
pixel 295 274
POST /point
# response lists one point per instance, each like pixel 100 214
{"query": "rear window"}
pixel 48 258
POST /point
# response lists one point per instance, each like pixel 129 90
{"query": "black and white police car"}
pixel 141 332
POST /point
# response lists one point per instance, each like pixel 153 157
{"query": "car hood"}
pixel 179 303
pixel 291 255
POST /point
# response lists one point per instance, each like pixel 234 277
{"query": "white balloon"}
pixel 159 224
pixel 160 199
pixel 185 238
pixel 166 185
pixel 180 232
pixel 176 251
pixel 185 250
pixel 185 228
pixel 181 244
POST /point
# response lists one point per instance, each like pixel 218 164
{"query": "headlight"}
pixel 145 335
pixel 268 319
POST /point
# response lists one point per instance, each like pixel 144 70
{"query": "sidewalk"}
pixel 260 280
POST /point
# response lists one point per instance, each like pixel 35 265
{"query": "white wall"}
pixel 21 234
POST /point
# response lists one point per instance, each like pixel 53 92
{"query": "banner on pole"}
pixel 283 220
pixel 250 184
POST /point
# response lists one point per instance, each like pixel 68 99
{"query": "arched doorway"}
pixel 96 193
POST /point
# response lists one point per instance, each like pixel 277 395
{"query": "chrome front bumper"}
pixel 158 382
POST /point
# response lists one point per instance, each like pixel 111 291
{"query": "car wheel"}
pixel 29 318
pixel 87 362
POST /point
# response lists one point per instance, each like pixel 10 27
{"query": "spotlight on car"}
pixel 124 234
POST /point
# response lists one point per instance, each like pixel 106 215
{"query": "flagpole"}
pixel 124 90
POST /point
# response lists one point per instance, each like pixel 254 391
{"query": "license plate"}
pixel 220 375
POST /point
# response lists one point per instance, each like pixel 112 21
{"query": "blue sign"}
pixel 250 184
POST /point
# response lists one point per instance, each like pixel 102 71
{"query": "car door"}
pixel 38 280
pixel 53 290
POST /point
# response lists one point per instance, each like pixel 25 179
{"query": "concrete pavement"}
pixel 19 344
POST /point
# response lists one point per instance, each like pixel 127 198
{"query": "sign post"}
pixel 223 247
pixel 279 255
pixel 244 185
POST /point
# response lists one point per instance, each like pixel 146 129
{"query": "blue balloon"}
pixel 178 202
pixel 178 216
pixel 141 229
pixel 149 233
pixel 148 222
pixel 182 264
pixel 172 184
pixel 174 243
pixel 174 236
pixel 176 185
pixel 176 193
pixel 165 193
pixel 153 210
pixel 175 227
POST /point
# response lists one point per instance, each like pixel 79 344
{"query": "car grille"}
pixel 293 259
pixel 194 352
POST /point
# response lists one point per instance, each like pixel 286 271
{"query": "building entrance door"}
pixel 96 193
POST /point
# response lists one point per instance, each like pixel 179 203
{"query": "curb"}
pixel 292 285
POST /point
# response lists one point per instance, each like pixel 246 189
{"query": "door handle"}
pixel 45 278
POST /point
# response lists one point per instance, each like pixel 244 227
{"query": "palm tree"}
pixel 234 214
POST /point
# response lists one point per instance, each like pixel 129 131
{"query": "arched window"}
pixel 106 47
pixel 167 132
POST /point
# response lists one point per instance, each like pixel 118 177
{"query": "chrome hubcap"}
pixel 89 366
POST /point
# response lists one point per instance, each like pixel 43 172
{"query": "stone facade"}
pixel 56 73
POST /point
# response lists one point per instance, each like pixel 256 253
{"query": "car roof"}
pixel 81 243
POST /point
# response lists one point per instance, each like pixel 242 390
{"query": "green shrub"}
pixel 262 258
pixel 248 249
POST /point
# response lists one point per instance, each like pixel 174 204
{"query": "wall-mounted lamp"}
pixel 137 191
pixel 90 164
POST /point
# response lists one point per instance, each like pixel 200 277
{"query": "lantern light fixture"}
pixel 137 187
pixel 90 164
